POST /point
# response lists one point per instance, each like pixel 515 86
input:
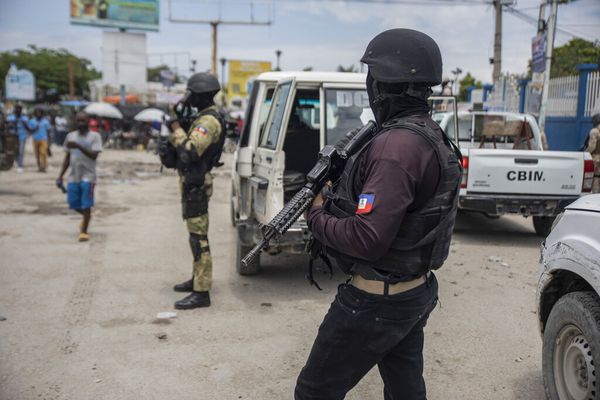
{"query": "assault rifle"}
pixel 331 163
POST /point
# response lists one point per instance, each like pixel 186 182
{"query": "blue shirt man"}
pixel 40 128
pixel 18 124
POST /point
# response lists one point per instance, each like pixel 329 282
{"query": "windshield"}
pixel 345 110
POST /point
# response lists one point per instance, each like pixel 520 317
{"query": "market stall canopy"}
pixel 150 115
pixel 74 103
pixel 103 110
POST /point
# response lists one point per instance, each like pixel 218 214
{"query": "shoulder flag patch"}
pixel 201 130
pixel 365 203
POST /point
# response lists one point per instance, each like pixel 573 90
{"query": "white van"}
pixel 289 118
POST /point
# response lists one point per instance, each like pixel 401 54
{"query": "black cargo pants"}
pixel 362 330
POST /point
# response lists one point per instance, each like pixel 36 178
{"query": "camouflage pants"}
pixel 198 237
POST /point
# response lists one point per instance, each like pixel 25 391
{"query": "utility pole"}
pixel 549 47
pixel 497 71
pixel 214 24
pixel 278 55
pixel 223 61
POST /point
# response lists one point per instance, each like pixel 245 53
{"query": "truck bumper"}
pixel 294 241
pixel 506 204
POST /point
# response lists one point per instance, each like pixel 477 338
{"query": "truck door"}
pixel 256 114
pixel 269 161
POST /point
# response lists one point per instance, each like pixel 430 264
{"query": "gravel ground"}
pixel 81 317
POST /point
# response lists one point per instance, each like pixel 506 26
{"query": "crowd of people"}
pixel 43 130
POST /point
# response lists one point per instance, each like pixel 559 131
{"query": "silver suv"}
pixel 568 300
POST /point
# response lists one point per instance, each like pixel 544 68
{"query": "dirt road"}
pixel 80 317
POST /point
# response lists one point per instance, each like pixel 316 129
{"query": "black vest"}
pixel 423 240
pixel 193 166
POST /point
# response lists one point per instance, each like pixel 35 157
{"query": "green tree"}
pixel 154 74
pixel 464 84
pixel 50 68
pixel 576 51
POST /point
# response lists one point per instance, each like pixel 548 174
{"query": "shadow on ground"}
pixel 475 228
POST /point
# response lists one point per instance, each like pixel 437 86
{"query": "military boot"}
pixel 194 300
pixel 187 286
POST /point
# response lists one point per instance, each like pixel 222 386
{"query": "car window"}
pixel 502 131
pixel 275 118
pixel 306 110
pixel 345 110
pixel 264 113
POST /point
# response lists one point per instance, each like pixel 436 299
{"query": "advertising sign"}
pixel 167 77
pixel 240 72
pixel 19 84
pixel 538 53
pixel 124 59
pixel 125 14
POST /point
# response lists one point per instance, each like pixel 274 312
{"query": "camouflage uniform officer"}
pixel 194 149
pixel 594 148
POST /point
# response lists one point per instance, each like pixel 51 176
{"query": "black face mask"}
pixel 201 100
pixel 386 106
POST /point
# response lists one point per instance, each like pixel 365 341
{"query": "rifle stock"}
pixel 329 166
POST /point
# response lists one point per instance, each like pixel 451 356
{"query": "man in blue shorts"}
pixel 82 148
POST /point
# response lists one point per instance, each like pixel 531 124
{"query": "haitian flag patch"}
pixel 202 130
pixel 365 203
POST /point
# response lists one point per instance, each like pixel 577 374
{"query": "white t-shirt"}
pixel 83 168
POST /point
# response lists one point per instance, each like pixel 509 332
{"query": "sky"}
pixel 318 34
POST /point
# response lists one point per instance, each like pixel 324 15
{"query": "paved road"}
pixel 81 317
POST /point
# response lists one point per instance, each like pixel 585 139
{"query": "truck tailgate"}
pixel 525 172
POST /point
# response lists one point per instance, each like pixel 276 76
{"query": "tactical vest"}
pixel 194 167
pixel 423 240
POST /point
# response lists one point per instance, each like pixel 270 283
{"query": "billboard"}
pixel 124 14
pixel 19 84
pixel 538 53
pixel 240 72
pixel 124 59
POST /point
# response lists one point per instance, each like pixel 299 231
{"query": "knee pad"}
pixel 196 246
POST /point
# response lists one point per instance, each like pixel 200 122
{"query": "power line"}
pixel 532 20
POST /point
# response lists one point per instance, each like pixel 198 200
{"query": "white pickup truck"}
pixel 506 170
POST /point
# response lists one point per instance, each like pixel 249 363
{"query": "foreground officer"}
pixel 388 224
pixel 194 153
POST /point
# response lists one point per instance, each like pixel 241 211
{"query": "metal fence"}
pixel 592 95
pixel 562 96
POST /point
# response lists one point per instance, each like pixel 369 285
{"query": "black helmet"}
pixel 596 120
pixel 203 83
pixel 404 56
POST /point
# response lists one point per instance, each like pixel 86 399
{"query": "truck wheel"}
pixel 543 225
pixel 241 251
pixel 571 344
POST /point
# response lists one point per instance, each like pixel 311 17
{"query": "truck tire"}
pixel 241 251
pixel 543 225
pixel 571 348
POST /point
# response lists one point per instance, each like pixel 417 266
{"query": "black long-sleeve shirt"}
pixel 402 171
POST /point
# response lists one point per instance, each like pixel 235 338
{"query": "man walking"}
pixel 18 125
pixel 194 153
pixel 388 224
pixel 82 148
pixel 40 128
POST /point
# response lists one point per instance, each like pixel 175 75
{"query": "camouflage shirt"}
pixel 205 130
